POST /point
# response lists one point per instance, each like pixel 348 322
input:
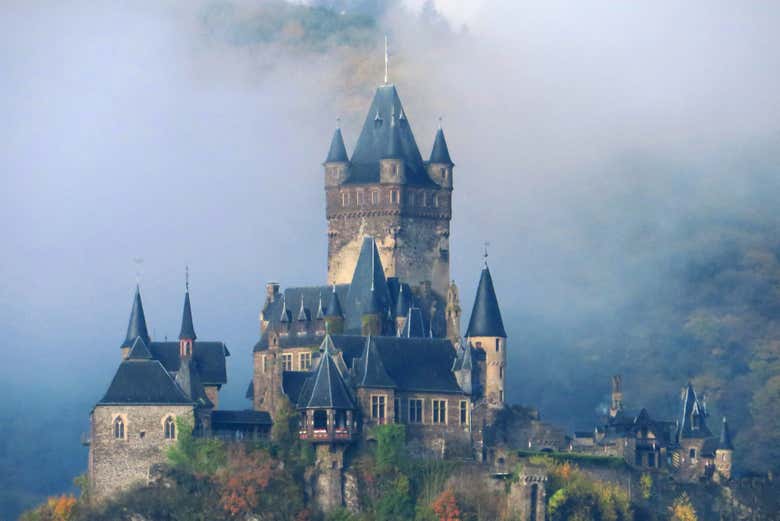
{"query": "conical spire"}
pixel 692 408
pixel 320 311
pixel 725 437
pixel 326 389
pixel 486 315
pixel 303 315
pixel 136 327
pixel 403 302
pixel 368 291
pixel 334 306
pixel 187 328
pixel 337 152
pixel 285 316
pixel 440 153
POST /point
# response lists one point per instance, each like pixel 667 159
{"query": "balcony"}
pixel 337 434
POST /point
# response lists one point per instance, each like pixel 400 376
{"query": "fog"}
pixel 589 138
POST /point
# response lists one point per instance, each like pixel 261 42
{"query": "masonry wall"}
pixel 117 464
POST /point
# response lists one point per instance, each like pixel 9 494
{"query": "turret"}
pixel 187 334
pixel 136 327
pixel 333 315
pixel 440 165
pixel 725 451
pixel 337 162
pixel 402 305
pixel 372 318
pixel 486 332
pixel 285 318
pixel 391 165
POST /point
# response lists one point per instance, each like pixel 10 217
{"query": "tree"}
pixel 646 486
pixel 446 507
pixel 244 479
pixel 682 509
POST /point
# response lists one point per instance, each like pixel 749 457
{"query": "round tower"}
pixel 486 332
pixel 725 452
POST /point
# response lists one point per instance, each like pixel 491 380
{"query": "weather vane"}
pixel 485 254
pixel 387 59
pixel 187 278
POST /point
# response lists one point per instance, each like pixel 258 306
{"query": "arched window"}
pixel 320 420
pixel 119 428
pixel 169 428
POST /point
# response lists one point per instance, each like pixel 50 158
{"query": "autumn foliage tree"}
pixel 682 509
pixel 245 477
pixel 56 508
pixel 446 507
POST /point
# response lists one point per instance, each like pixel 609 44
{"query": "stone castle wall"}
pixel 117 464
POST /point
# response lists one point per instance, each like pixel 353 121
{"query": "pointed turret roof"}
pixel 326 389
pixel 414 326
pixel 372 145
pixel 403 302
pixel 393 149
pixel 368 292
pixel 187 328
pixel 320 311
pixel 303 313
pixel 693 407
pixel 486 315
pixel 136 327
pixel 440 153
pixel 337 152
pixel 369 369
pixel 285 314
pixel 334 306
pixel 139 351
pixel 725 437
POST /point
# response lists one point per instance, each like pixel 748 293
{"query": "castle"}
pixel 379 343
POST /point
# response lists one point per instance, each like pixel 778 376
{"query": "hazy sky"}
pixel 584 134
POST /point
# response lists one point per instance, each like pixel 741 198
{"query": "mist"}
pixel 595 144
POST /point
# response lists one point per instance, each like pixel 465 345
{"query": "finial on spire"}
pixel 187 278
pixel 138 261
pixel 338 122
pixel 439 122
pixel 486 244
pixel 387 59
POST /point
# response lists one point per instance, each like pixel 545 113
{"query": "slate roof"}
pixel 143 381
pixel 247 417
pixel 369 370
pixel 139 351
pixel 337 153
pixel 188 380
pixel 403 300
pixel 377 137
pixel 136 327
pixel 325 388
pixel 692 406
pixel 333 309
pixel 485 315
pixel 724 442
pixel 209 358
pixel 292 383
pixel 368 292
pixel 187 328
pixel 440 153
pixel 414 325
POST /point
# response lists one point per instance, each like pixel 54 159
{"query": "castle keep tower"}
pixel 387 191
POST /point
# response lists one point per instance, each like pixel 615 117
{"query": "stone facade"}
pixel 117 463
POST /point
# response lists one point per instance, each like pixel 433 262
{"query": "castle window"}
pixel 287 362
pixel 359 198
pixel 374 197
pixel 695 421
pixel 501 371
pixel 394 196
pixel 423 199
pixel 415 411
pixel 265 364
pixel 169 428
pixel 395 170
pixel 498 345
pixel 444 173
pixel 378 408
pixel 692 454
pixel 439 411
pixel 651 460
pixel 320 420
pixel 501 395
pixel 397 410
pixel 464 412
pixel 436 201
pixel 479 344
pixel 638 459
pixel 119 428
pixel 344 198
pixel 304 361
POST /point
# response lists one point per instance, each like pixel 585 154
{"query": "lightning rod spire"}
pixel 387 59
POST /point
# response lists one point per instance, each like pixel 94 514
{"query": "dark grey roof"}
pixel 333 308
pixel 292 383
pixel 326 389
pixel 143 382
pixel 724 442
pixel 303 313
pixel 403 300
pixel 440 153
pixel 375 137
pixel 320 309
pixel 394 149
pixel 369 370
pixel 246 417
pixel 139 351
pixel 414 325
pixel 368 291
pixel 693 407
pixel 188 380
pixel 284 314
pixel 337 153
pixel 250 390
pixel 485 315
pixel 136 327
pixel 209 359
pixel 187 328
pixel 312 340
pixel 464 360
